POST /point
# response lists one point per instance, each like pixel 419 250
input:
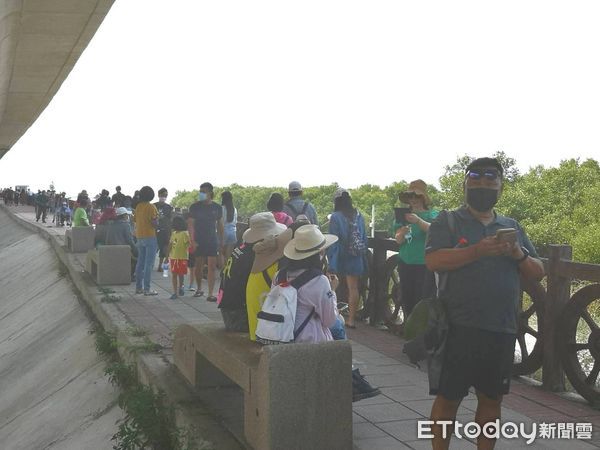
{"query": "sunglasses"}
pixel 478 174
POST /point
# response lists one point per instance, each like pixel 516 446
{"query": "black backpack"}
pixel 234 277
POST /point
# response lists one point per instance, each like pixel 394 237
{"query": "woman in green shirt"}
pixel 80 217
pixel 415 280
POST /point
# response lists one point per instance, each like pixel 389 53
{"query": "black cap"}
pixel 486 162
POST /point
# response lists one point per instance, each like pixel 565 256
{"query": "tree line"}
pixel 555 205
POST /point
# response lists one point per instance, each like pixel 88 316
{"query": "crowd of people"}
pixel 284 246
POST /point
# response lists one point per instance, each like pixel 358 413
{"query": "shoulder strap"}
pixel 304 208
pixel 303 325
pixel 267 277
pixel 292 208
pixel 305 277
pixel 442 280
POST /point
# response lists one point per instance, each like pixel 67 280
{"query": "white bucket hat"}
pixel 308 240
pixel 262 225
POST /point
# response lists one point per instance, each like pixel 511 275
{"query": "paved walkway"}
pixel 388 421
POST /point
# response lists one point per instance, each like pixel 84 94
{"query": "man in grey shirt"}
pixel 118 232
pixel 481 298
pixel 296 205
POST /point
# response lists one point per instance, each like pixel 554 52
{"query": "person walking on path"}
pixel 410 232
pixel 229 227
pixel 41 206
pixel 163 232
pixel 205 226
pixel 178 255
pixel 146 222
pixel 118 198
pixel 480 296
pixel 296 205
pixel 347 256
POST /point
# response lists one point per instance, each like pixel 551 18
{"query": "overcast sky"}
pixel 260 93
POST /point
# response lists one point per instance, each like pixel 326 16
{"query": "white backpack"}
pixel 277 317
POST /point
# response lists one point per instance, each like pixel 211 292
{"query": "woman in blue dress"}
pixel 347 256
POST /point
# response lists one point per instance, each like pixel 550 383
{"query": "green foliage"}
pixel 556 205
pixel 106 342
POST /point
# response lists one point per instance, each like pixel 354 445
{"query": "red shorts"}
pixel 178 266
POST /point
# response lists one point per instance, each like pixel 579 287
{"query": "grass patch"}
pixel 106 342
pixel 108 295
pixel 146 346
pixel 137 331
pixel 149 421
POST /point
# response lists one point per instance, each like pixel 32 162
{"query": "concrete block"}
pixel 296 396
pixel 109 264
pixel 80 239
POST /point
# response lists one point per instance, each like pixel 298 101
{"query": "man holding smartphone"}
pixel 481 297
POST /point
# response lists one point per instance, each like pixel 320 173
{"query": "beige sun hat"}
pixel 261 226
pixel 308 240
pixel 270 250
pixel 418 188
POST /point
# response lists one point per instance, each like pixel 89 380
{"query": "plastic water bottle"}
pixel 165 268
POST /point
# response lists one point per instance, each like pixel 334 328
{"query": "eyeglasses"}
pixel 488 174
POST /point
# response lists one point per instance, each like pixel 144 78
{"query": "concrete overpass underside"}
pixel 40 42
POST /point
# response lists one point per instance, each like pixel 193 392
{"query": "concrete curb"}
pixel 156 370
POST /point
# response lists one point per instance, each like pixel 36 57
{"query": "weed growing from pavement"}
pixel 137 331
pixel 107 295
pixel 146 346
pixel 149 420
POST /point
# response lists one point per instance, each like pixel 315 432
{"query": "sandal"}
pixel 199 294
pixel 148 293
pixel 212 299
pixel 173 297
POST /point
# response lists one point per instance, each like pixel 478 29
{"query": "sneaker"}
pixel 181 291
pixel 191 288
pixel 139 291
pixel 173 297
pixel 149 293
pixel 361 388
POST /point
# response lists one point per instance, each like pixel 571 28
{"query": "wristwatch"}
pixel 525 255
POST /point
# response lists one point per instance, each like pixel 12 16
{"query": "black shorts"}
pixel 205 248
pixel 162 238
pixel 479 358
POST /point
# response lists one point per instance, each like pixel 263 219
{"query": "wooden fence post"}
pixel 558 295
pixel 377 277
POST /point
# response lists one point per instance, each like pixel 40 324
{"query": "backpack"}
pixel 427 325
pixel 355 245
pixel 294 212
pixel 234 277
pixel 277 317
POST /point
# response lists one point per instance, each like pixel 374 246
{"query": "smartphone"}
pixel 399 213
pixel 507 235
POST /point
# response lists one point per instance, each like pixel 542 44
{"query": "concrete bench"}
pixel 295 396
pixel 80 239
pixel 109 264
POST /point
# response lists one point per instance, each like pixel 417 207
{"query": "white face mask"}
pixel 162 199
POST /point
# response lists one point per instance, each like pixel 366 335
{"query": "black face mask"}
pixel 482 199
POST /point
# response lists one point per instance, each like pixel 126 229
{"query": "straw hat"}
pixel 308 240
pixel 262 225
pixel 270 250
pixel 417 187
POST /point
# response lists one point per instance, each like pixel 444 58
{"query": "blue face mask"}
pixel 202 196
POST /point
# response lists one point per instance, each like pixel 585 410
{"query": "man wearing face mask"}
pixel 481 298
pixel 163 232
pixel 205 226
